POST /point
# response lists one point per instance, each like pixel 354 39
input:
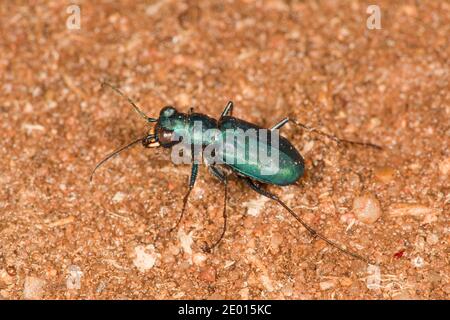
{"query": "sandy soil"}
pixel 62 237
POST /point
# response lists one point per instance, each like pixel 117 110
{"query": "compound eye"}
pixel 168 111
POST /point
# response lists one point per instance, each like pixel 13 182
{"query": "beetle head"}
pixel 161 134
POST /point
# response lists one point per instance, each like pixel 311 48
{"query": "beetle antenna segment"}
pixel 135 107
pixel 313 232
pixel 112 154
pixel 336 139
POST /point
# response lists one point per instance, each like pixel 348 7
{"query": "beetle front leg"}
pixel 192 179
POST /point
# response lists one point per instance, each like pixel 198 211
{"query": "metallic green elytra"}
pixel 290 165
pixel 274 161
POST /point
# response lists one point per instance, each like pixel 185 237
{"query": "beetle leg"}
pixel 334 138
pixel 256 187
pixel 216 172
pixel 219 174
pixel 194 172
pixel 279 124
pixel 228 110
pixel 109 156
pixel 130 101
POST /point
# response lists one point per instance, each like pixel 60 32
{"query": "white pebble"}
pixel 267 283
pixel 255 206
pixel 30 127
pixel 73 280
pixel 411 209
pixel 374 277
pixel 145 257
pixel 367 208
pixel 186 240
pixel 199 259
pixel 118 197
pixel 418 262
pixel 326 285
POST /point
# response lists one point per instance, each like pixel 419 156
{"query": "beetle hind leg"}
pixel 333 137
pixel 256 187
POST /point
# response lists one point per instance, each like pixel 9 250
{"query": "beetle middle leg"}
pixel 256 187
pixel 219 174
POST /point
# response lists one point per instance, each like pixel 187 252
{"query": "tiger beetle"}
pixel 291 163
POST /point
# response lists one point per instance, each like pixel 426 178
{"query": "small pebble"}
pixel 275 243
pixel 410 209
pixel 255 206
pixel 145 257
pixel 418 262
pixel 199 259
pixel 267 283
pixel 373 281
pixel 367 208
pixel 30 128
pixel 186 240
pixel 73 280
pixel 326 285
pixel 384 174
pixel 118 197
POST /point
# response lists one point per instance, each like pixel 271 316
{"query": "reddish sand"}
pixel 62 237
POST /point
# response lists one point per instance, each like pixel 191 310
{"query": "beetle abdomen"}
pixel 253 152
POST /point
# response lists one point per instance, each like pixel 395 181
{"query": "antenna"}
pixel 136 108
pixel 112 154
